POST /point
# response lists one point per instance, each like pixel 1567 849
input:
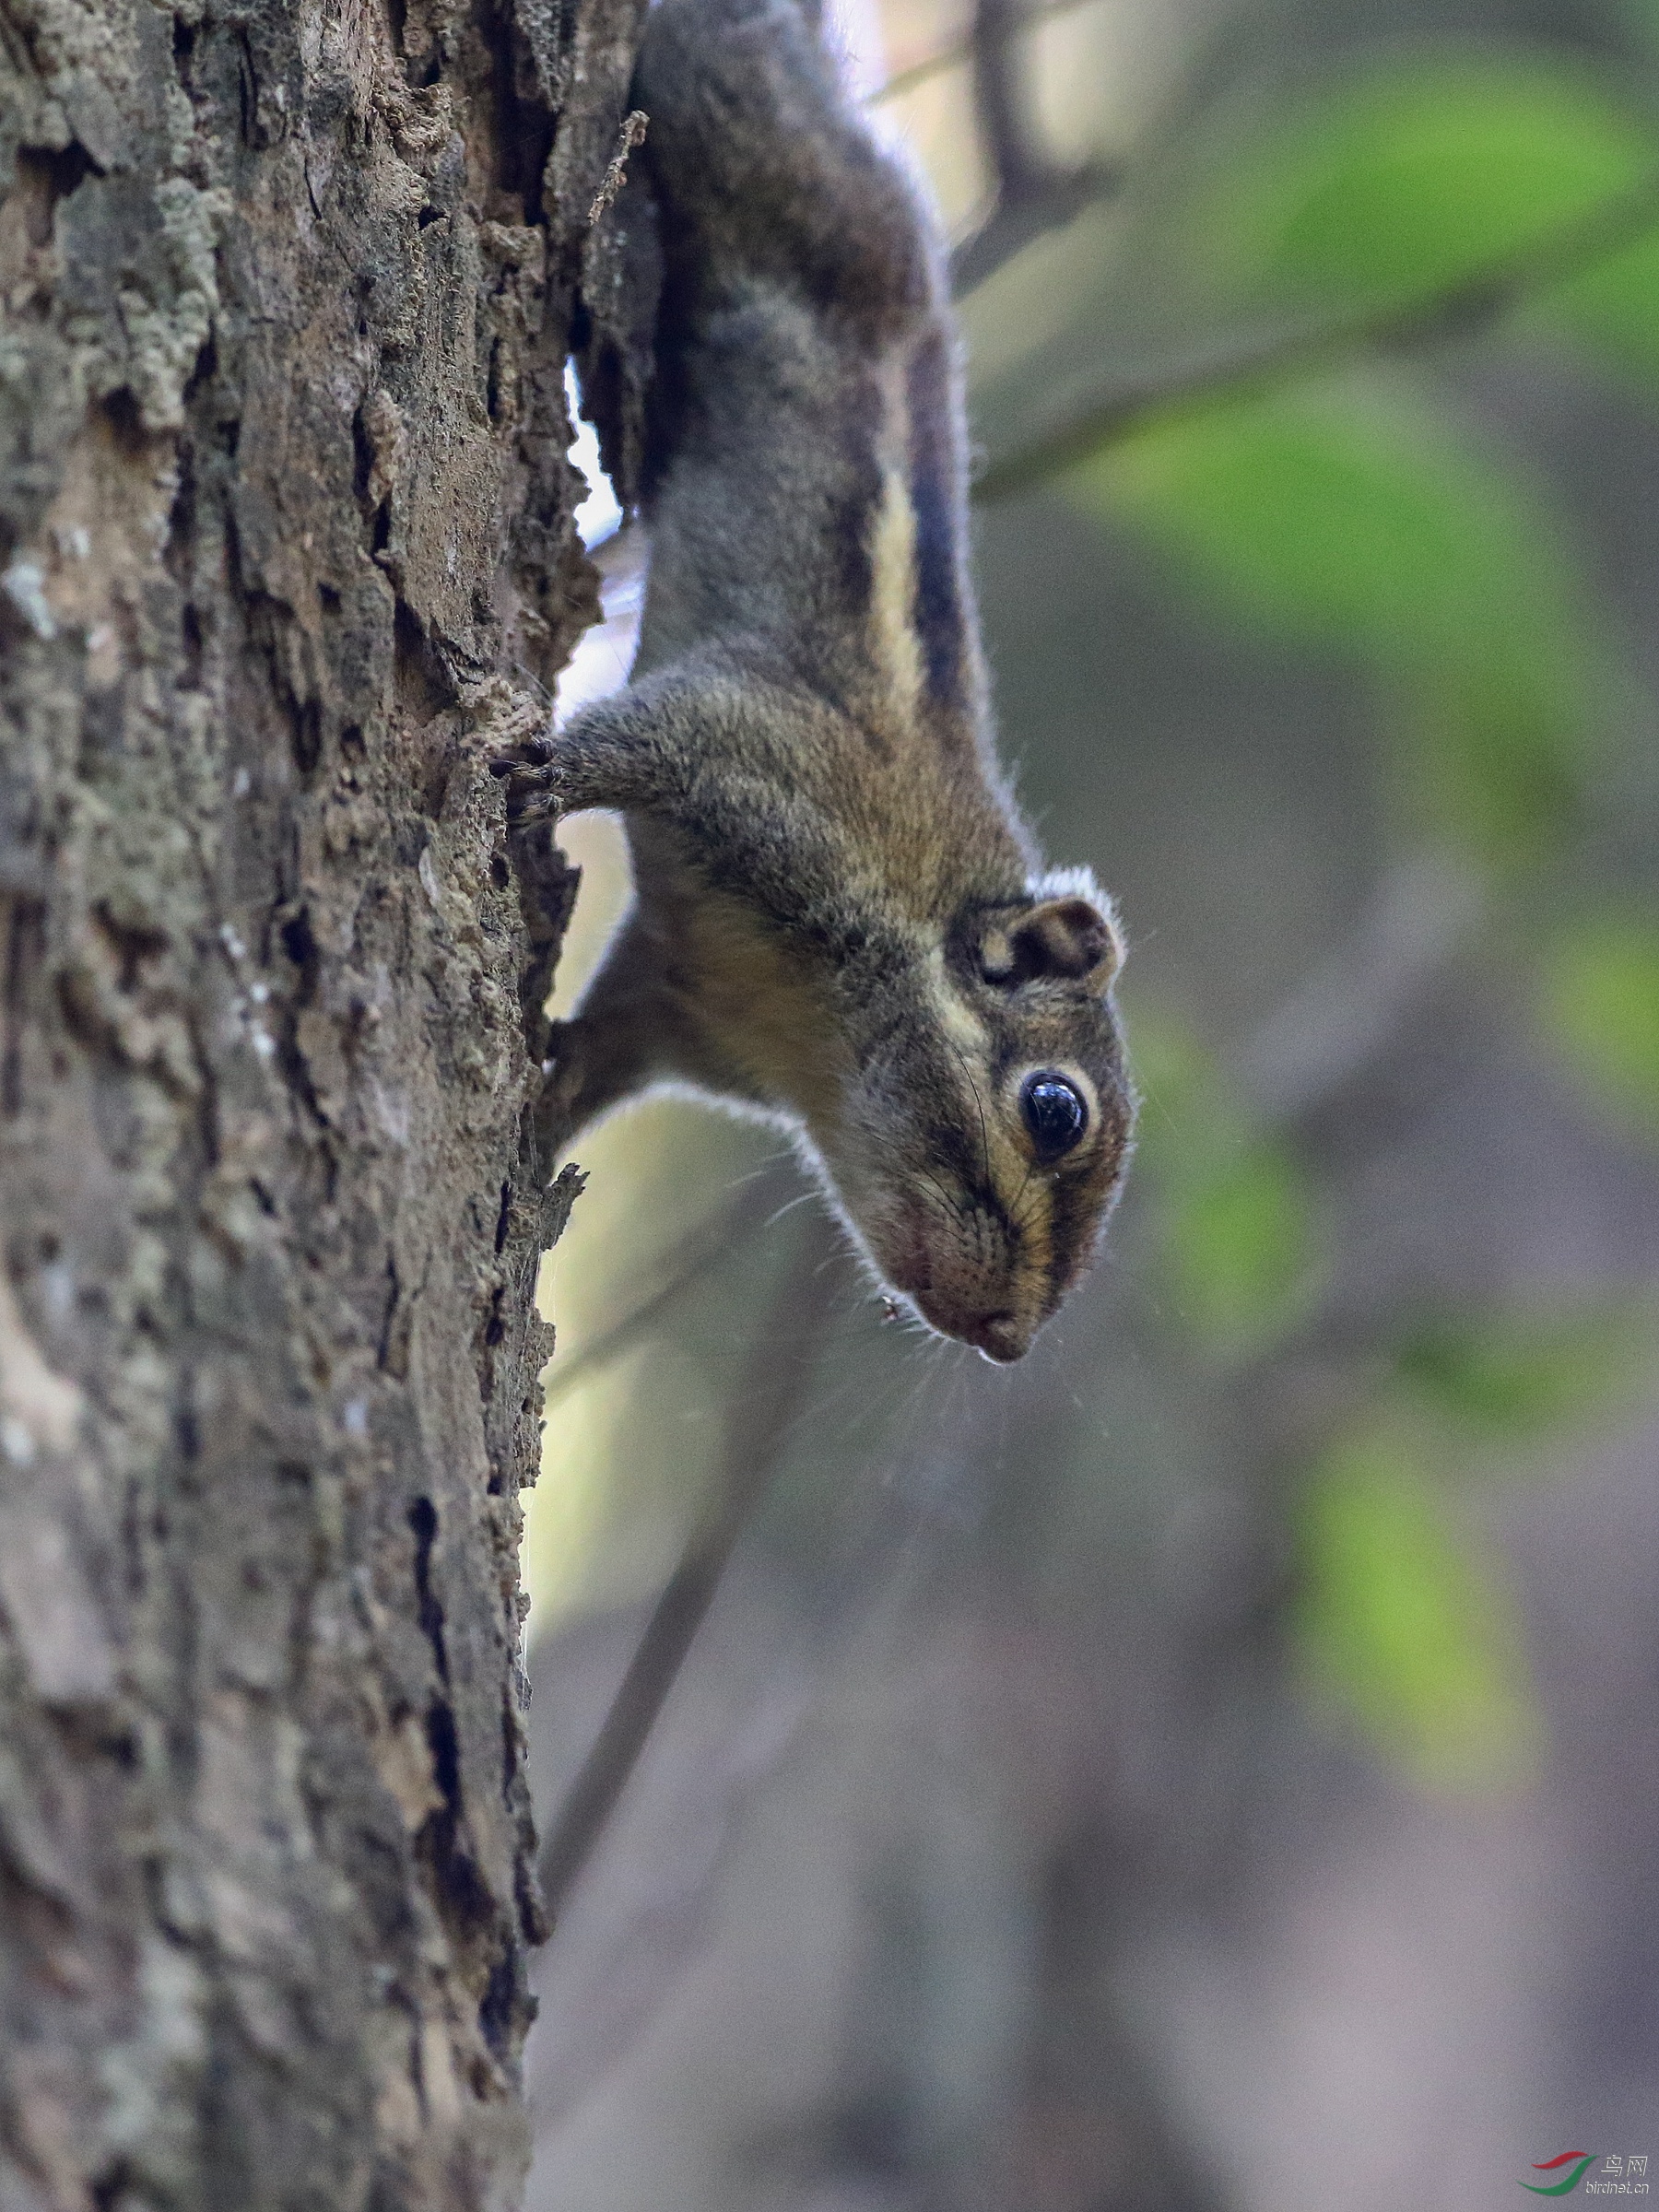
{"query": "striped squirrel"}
pixel 841 920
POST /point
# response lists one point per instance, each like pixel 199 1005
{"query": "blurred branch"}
pixel 1474 301
pixel 1031 193
pixel 773 1386
pixel 1346 1015
pixel 961 50
pixel 1060 196
pixel 1342 1028
pixel 700 1249
pixel 1000 103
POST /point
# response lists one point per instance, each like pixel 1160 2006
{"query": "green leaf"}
pixel 1518 1375
pixel 1240 1245
pixel 1414 175
pixel 1185 1110
pixel 1612 307
pixel 1349 517
pixel 1403 1622
pixel 1600 1004
pixel 1239 1231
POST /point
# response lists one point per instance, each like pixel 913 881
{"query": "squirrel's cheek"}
pixel 899 1240
pixel 892 1229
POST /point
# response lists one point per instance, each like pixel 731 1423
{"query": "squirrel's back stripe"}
pixel 941 611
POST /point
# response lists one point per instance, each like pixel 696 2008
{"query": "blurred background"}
pixel 1215 1763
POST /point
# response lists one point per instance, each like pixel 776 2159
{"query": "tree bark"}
pixel 289 287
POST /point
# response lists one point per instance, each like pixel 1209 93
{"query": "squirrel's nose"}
pixel 999 1337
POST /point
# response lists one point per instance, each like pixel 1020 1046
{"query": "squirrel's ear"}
pixel 1069 938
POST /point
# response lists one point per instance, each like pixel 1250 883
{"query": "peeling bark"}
pixel 285 550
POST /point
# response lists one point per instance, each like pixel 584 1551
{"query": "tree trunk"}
pixel 289 288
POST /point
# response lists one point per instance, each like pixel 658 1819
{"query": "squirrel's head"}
pixel 980 1142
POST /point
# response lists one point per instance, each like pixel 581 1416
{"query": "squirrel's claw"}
pixel 534 752
pixel 531 775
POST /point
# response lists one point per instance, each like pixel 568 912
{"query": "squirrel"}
pixel 841 922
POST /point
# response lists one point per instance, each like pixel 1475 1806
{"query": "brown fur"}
pixel 841 919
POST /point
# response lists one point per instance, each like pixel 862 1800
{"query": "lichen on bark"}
pixel 286 552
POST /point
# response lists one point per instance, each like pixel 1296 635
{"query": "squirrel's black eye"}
pixel 1054 1112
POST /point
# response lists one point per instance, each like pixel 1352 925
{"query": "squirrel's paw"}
pixel 532 773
